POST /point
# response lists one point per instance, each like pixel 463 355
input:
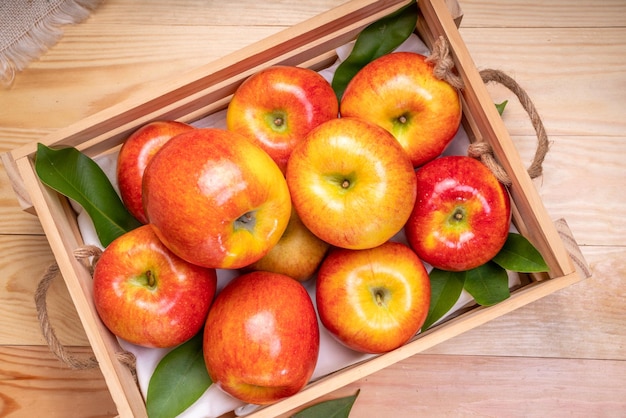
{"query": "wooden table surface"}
pixel 564 355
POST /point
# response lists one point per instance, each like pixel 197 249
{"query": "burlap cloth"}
pixel 29 27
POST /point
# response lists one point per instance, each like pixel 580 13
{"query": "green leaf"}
pixel 73 174
pixel 501 106
pixel 335 408
pixel 178 381
pixel 376 40
pixel 488 284
pixel 445 289
pixel 518 254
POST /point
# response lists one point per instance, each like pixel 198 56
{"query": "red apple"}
pixel 462 214
pixel 134 156
pixel 216 199
pixel 261 338
pixel 276 107
pixel 148 296
pixel 297 254
pixel 351 183
pixel 373 300
pixel 399 92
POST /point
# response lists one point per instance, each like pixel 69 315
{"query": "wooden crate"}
pixel 206 90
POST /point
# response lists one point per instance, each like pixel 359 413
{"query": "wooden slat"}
pixel 542 14
pixel 585 320
pixel 201 13
pixel 43 88
pixel 566 71
pixel 463 386
pixel 23 262
pixel 34 383
pixel 591 194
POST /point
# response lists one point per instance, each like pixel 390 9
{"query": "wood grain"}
pixel 562 355
pixel 12 219
pixel 583 182
pixel 543 14
pixel 135 48
pixel 126 61
pixel 34 383
pixel 24 260
pixel 481 386
pixel 202 13
pixel 566 71
pixel 584 320
pixel 452 385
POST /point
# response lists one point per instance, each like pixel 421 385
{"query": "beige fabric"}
pixel 29 27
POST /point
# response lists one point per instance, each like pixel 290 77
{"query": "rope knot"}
pixel 484 152
pixel 443 64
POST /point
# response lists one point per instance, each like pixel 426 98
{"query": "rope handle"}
pixel 443 69
pixel 55 346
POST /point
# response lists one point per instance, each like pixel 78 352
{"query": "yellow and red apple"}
pixel 216 199
pixel 351 183
pixel 137 150
pixel 147 295
pixel 297 254
pixel 462 214
pixel 400 93
pixel 373 300
pixel 261 338
pixel 276 107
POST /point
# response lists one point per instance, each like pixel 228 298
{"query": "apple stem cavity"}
pixel 401 123
pixel 277 120
pixel 342 181
pixel 246 221
pixel 459 214
pixel 146 280
pixel 380 295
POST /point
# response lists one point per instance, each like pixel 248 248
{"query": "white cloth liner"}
pixel 332 355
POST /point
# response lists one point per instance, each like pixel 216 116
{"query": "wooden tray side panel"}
pixel 533 219
pixel 449 329
pixel 62 234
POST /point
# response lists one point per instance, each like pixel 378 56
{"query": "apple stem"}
pixel 150 278
pixel 402 119
pixel 345 184
pixel 278 121
pixel 458 215
pixel 379 298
